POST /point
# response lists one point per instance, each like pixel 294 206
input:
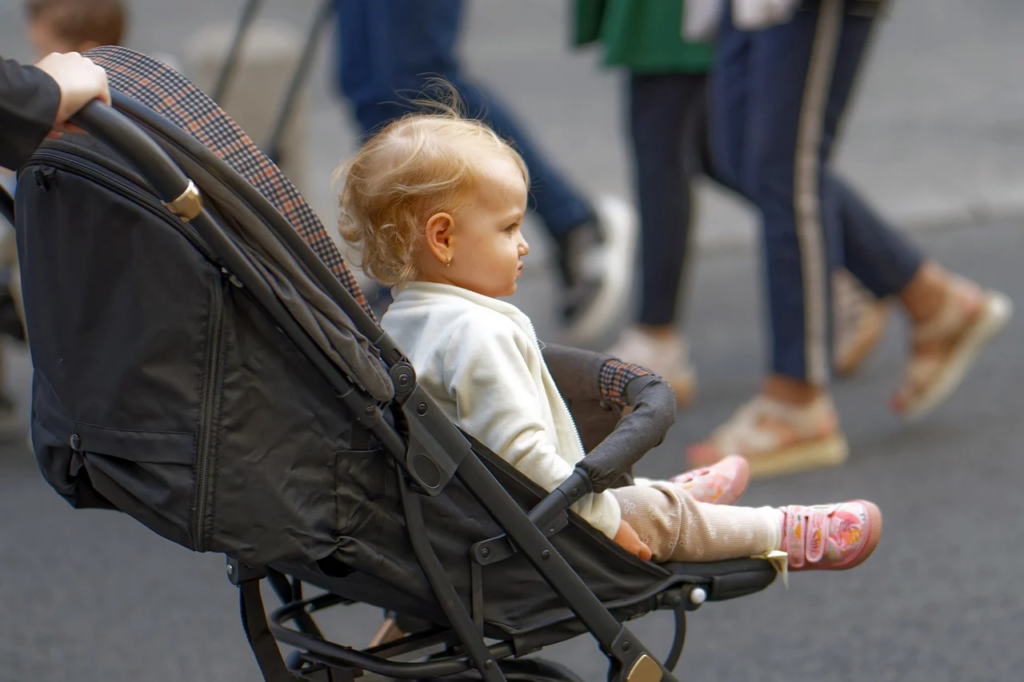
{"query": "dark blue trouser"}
pixel 387 51
pixel 777 97
pixel 668 129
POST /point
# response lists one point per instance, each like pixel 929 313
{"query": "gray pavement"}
pixel 936 137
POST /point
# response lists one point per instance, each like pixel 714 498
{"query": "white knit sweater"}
pixel 479 359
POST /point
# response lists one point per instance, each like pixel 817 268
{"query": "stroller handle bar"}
pixel 653 406
pixel 653 412
pixel 175 190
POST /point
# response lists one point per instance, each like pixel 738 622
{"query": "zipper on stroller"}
pixel 208 413
pixel 212 367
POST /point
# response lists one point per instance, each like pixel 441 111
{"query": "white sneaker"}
pixel 668 358
pixel 599 268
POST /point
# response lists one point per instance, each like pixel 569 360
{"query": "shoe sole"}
pixel 610 302
pixel 874 535
pixel 996 312
pixel 817 454
pixel 850 362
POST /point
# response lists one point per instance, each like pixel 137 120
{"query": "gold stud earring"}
pixel 448 262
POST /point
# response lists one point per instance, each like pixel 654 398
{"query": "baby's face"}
pixel 488 246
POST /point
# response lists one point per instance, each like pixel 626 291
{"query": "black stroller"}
pixel 205 362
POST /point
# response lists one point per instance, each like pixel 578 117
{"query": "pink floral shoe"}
pixel 830 537
pixel 721 483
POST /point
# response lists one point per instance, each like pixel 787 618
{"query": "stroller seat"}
pixel 292 436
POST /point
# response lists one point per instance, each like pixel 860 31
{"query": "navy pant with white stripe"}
pixel 777 97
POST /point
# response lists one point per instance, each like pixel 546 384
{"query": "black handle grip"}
pixel 643 429
pixel 118 132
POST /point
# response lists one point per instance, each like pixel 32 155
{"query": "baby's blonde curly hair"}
pixel 417 166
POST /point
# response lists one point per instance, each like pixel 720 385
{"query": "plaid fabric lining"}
pixel 172 96
pixel 615 376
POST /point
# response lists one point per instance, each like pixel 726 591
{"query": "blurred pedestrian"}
pixel 389 50
pixel 668 132
pixel 777 96
pixel 74 25
pixel 666 103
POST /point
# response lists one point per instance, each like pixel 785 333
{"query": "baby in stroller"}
pixel 434 204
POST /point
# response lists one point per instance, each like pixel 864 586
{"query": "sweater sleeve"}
pixel 29 100
pixel 486 373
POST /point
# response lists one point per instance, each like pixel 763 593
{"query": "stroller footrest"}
pixel 739 584
pixel 727 579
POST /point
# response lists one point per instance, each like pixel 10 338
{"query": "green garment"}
pixel 642 35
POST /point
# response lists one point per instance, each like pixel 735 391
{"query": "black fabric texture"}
pixel 377 566
pixel 576 373
pixel 120 308
pixel 315 311
pixel 29 99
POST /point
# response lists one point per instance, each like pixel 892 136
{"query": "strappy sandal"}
pixel 776 438
pixel 931 376
pixel 860 320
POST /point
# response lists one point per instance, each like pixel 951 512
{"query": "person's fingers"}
pixel 104 95
pixel 644 552
pixel 80 81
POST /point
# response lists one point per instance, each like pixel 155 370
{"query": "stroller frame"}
pixel 429 452
pixel 437 450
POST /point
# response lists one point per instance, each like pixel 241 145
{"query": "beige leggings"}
pixel 676 527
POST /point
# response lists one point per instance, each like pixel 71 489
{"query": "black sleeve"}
pixel 29 100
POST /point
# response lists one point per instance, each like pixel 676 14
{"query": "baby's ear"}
pixel 440 227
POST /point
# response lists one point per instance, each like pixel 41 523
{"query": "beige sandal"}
pixel 932 376
pixel 776 438
pixel 859 322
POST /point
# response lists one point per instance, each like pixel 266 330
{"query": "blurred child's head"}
pixel 74 25
pixel 437 198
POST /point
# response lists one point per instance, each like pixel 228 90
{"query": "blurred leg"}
pixel 388 52
pixel 664 112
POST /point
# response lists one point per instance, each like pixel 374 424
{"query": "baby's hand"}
pixel 628 540
pixel 80 82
